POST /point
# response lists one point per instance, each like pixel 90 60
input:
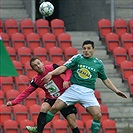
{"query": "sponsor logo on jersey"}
pixel 84 73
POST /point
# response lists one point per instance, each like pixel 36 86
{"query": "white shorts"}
pixel 79 94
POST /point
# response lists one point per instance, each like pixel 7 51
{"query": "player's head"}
pixel 37 65
pixel 88 48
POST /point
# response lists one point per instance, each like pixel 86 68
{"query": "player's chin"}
pixel 86 55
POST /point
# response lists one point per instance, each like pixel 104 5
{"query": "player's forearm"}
pixel 68 75
pixel 58 70
pixel 23 95
pixel 110 85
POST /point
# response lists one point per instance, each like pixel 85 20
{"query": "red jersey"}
pixel 53 89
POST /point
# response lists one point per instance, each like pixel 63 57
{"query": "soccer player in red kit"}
pixel 53 89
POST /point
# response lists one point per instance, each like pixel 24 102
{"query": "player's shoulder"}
pixel 78 56
pixel 96 60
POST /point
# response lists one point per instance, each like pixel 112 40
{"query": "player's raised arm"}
pixel 57 71
pixel 111 86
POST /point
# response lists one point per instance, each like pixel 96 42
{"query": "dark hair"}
pixel 88 42
pixel 33 59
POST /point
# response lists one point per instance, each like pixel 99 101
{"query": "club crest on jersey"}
pixel 84 73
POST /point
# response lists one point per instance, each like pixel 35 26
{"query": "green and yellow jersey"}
pixel 85 71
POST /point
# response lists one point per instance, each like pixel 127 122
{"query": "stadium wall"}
pixel 82 15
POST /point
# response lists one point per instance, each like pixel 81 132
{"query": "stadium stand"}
pixel 22 82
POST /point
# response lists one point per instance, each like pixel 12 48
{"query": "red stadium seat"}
pixel 33 40
pixel 47 62
pixel 20 112
pixel 57 26
pixel 126 68
pixel 55 54
pixel 42 26
pixel 5 113
pixel 19 67
pixel 126 40
pixel 98 96
pixel 111 41
pixel 109 126
pixel 23 125
pixel 12 52
pixel 11 94
pixel 7 83
pixel 60 63
pixel 83 115
pixel 69 52
pixel 18 40
pixel 48 128
pixel 41 96
pixel 104 111
pixel 80 125
pixel 120 26
pixel 10 126
pixel 21 82
pixel 28 70
pixel 131 26
pixel 60 126
pixel 64 41
pixel 88 124
pixel 130 84
pixel 24 54
pixel 1 26
pixel 104 27
pixel 31 99
pixel 120 55
pixel 11 26
pixel 5 39
pixel 26 26
pixel 48 40
pixel 130 54
pixel 41 53
pixel 34 111
pixel 2 98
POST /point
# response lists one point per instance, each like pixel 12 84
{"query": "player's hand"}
pixel 120 93
pixel 66 84
pixel 9 103
pixel 47 78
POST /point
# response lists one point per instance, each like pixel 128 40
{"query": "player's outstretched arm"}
pixel 57 71
pixel 111 86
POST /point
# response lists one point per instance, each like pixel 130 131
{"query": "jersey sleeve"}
pixel 101 74
pixel 68 75
pixel 71 62
pixel 23 95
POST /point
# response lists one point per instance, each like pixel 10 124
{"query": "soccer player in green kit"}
pixel 85 70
